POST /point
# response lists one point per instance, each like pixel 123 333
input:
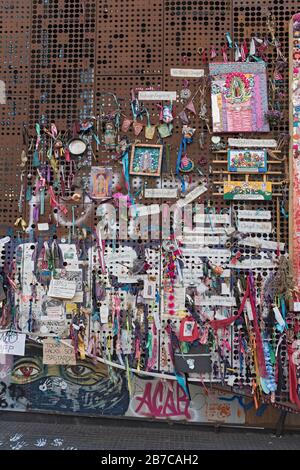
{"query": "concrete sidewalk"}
pixel 39 432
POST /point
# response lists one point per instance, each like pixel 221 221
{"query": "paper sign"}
pixel 296 307
pixel 218 300
pixel 195 193
pixel 161 193
pixel 104 312
pixel 255 227
pixel 61 353
pixel 62 289
pixel 261 243
pixel 54 312
pixel 253 263
pixel 4 240
pixel 249 214
pixel 179 298
pixel 207 252
pixel 147 210
pixel 69 253
pixel 149 289
pixel 212 218
pixel 187 73
pixel 157 95
pixel 12 343
pixel 262 143
pixel 43 227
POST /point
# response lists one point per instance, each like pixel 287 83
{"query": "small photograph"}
pixel 100 182
pixel 247 161
pixel 146 160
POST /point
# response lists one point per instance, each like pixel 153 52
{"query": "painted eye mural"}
pixel 85 387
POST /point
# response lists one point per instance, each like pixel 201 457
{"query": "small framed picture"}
pixel 146 160
pixel 100 182
pixel 248 190
pixel 247 161
pixel 188 328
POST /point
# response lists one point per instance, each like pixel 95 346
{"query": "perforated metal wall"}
pixel 60 57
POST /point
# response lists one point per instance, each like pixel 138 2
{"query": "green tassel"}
pixel 35 161
pixel 28 193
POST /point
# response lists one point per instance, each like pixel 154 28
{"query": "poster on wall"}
pixel 239 97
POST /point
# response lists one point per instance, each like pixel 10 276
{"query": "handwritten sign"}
pixel 147 210
pixel 250 214
pixel 61 352
pixel 161 193
pixel 187 73
pixel 212 218
pixel 190 197
pixel 255 227
pixel 12 343
pixel 43 227
pixel 261 243
pixel 253 263
pixel 262 143
pixel 157 95
pixel 62 289
pixel 216 300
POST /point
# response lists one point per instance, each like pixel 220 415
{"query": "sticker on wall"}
pixel 239 97
pixel 248 190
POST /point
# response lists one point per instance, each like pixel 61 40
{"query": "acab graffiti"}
pixel 162 400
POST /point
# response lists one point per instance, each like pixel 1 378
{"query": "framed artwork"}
pixel 100 182
pixel 146 160
pixel 248 190
pixel 239 97
pixel 247 161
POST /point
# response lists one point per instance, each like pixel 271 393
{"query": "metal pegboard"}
pixel 130 37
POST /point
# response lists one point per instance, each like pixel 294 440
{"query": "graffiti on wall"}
pixel 88 387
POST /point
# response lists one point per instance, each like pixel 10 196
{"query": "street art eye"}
pixel 79 372
pixel 26 371
pixel 87 374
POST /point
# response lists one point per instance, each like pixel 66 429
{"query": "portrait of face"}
pixel 84 388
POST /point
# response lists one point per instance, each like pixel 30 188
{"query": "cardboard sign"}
pixel 12 343
pixel 61 353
